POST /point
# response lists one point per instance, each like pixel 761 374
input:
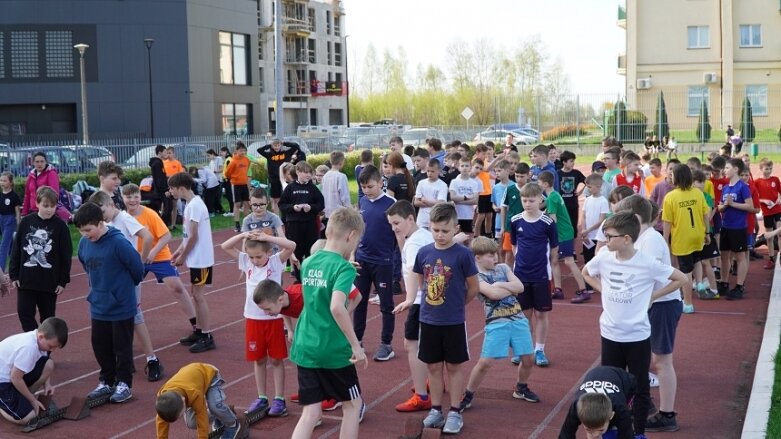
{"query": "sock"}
pixel 192 323
pixel 263 397
pixel 437 408
pixel 667 414
pixel 151 357
pixel 521 384
pixel 423 396
pixel 539 347
pixel 455 409
pixel 198 331
pixel 739 286
pixel 281 398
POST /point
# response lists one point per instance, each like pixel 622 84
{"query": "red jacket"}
pixel 47 177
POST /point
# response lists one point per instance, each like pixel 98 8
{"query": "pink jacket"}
pixel 47 177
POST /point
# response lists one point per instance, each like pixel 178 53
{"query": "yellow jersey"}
pixel 686 212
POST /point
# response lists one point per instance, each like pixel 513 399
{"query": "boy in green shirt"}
pixel 325 347
pixel 511 206
pixel 557 210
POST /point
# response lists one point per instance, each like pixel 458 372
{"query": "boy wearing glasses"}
pixel 260 217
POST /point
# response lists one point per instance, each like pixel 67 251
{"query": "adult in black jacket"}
pixel 619 386
pixel 161 201
pixel 276 153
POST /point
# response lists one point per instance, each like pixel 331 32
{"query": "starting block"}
pixel 413 429
pixel 79 408
pixel 245 419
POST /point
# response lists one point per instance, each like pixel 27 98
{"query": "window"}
pixel 234 58
pixel 24 54
pixel 236 119
pixel 696 95
pixel 312 54
pixel 328 22
pixel 311 17
pixel 2 56
pixel 757 95
pixel 261 42
pixel 750 35
pixel 59 54
pixel 329 53
pixel 337 26
pixel 337 54
pixel 262 84
pixel 699 37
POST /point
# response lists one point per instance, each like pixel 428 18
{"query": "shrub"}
pixel 632 124
pixel 560 131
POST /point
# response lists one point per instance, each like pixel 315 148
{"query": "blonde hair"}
pixel 343 221
pixel 483 246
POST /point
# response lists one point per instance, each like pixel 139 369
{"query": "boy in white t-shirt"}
pixel 595 209
pixel 627 279
pixel 464 191
pixel 429 192
pixel 264 334
pixel 197 253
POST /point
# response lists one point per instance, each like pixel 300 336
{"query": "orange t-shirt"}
pixel 237 170
pixel 152 221
pixel 172 167
pixel 485 179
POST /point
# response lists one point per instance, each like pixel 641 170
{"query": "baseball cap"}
pixel 598 165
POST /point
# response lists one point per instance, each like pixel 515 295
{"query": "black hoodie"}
pixel 41 254
pixel 159 180
pixel 619 385
pixel 297 193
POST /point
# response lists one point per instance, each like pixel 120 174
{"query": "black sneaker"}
pixel 522 391
pixel 466 401
pixel 660 422
pixel 735 293
pixel 153 370
pixel 204 343
pixel 190 339
pixel 722 288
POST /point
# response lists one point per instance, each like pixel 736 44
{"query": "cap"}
pixel 598 165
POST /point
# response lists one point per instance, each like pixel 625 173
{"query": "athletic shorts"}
pixel 664 317
pixel 161 270
pixel 201 276
pixel 412 324
pixel 566 249
pixel 717 223
pixel 466 226
pixel 686 263
pixel 265 338
pixel 316 385
pixel 710 250
pixel 14 403
pixel 445 343
pixel 536 295
pixel 240 193
pixel 771 221
pixel 276 188
pixel 506 242
pixel 484 204
pixel 733 240
pixel 499 336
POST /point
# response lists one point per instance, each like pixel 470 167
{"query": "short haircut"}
pixel 631 156
pixel 267 291
pixel 478 162
pixel 422 153
pixel 694 162
pixel 481 147
pixel 682 177
pixel 241 145
pixel 566 156
pixel 435 144
pixel 258 193
pixel 401 208
pixel 322 168
pixel 55 328
pixel 465 147
pixel 513 155
pixel 613 153
pixel 594 410
pixel 502 164
pixel 342 221
pixel 490 144
pixel 264 246
pixel 45 193
pixel 625 223
pixel 645 157
pixel 638 205
pixel 540 150
pixel 443 212
pixel 522 168
pixel 304 167
pixel 673 161
pixel 738 164
pixel 483 246
pixel 211 151
pixel 718 162
pixel 89 214
pixel 409 150
pixel 130 189
pixel 336 157
pixel 551 146
pixel 170 148
pixel 369 173
pixel 699 176
pixel 367 156
pixel 101 198
pixel 10 176
pixel 546 177
pixel 432 162
pixel 655 162
pixel 396 139
pixel 531 190
pixel 594 180
pixel 181 180
pixel 159 149
pixel 107 168
pixel 169 405
pixel 619 193
pixel 454 156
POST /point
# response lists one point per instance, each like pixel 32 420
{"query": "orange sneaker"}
pixel 414 404
pixel 330 404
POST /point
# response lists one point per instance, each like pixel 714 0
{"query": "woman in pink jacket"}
pixel 42 174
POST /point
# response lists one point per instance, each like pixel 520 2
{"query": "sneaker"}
pixel 375 299
pixel 660 422
pixel 735 293
pixel 454 423
pixel 769 264
pixel 435 419
pixel 653 380
pixel 710 295
pixel 558 294
pixel 652 410
pixel 232 432
pixel 190 339
pixel 384 353
pixel 227 214
pixel 688 309
pixel 204 343
pixel 540 359
pixel 294 398
pixel 362 411
pixel 700 289
pixel 330 404
pixel 722 288
pixel 257 404
pixel 103 389
pixel 522 391
pixel 414 404
pixel 153 370
pixel 516 360
pixel 466 401
pixel 122 393
pixel 278 408
pixel 581 297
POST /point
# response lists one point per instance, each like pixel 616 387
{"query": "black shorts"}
pixel 240 193
pixel 664 317
pixel 201 276
pixel 686 263
pixel 771 221
pixel 710 250
pixel 465 226
pixel 446 344
pixel 14 403
pixel 316 385
pixel 536 295
pixel 276 188
pixel 412 324
pixel 484 204
pixel 733 240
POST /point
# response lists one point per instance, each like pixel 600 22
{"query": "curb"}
pixel 758 411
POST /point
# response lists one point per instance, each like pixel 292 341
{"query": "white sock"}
pixel 539 347
pixel 151 357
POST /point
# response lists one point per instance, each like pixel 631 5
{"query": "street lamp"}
pixel 148 43
pixel 347 81
pixel 81 47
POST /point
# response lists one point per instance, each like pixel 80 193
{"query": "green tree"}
pixel 661 127
pixel 703 124
pixel 747 130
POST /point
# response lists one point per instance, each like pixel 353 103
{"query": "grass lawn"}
pixel 774 420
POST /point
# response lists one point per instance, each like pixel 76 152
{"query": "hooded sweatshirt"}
pixel 41 254
pixel 159 180
pixel 114 268
pixel 47 177
pixel 297 193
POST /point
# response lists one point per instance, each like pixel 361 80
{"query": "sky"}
pixel 582 33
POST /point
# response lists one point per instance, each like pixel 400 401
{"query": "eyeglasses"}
pixel 258 205
pixel 609 236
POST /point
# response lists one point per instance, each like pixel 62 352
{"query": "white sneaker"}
pixel 653 380
pixel 375 299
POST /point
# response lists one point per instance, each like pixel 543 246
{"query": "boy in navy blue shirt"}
pixel 734 207
pixel 375 255
pixel 533 234
pixel 540 162
pixel 447 275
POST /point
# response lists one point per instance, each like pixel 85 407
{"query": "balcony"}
pixel 621 64
pixel 296 26
pixel 293 57
pixel 621 17
pixel 298 88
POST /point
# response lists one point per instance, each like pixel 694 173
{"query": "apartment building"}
pixel 720 51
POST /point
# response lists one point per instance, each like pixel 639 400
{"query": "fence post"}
pixel 618 120
pixel 577 119
pixel 538 116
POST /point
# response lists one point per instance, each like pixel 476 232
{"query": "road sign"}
pixel 467 113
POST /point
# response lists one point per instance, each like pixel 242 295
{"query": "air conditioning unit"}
pixel 644 84
pixel 710 78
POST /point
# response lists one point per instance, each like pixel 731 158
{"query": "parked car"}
pixel 350 135
pixel 499 136
pixel 66 159
pixel 417 136
pixel 370 142
pixel 187 153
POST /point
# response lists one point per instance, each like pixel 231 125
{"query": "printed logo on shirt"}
pixel 567 185
pixel 621 290
pixel 603 387
pixel 39 244
pixel 436 278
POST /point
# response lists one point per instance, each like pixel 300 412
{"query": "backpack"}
pixel 66 199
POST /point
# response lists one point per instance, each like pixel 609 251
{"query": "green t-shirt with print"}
pixel 512 199
pixel 318 341
pixel 554 205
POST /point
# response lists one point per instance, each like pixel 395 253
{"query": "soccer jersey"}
pixel 152 221
pixel 535 172
pixel 486 184
pixel 732 218
pixel 650 183
pixel 465 187
pixel 444 283
pixel 497 196
pixel 512 201
pixel 718 187
pixel 769 189
pixel 534 239
pixel 505 309
pixel 685 210
pixel 554 205
pixel 201 255
pixel 636 183
pixel 272 270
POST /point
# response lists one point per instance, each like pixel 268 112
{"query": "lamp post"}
pixel 81 47
pixel 148 43
pixel 346 81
